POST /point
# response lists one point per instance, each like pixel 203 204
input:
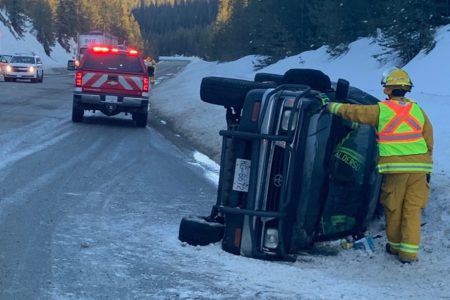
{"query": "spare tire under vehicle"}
pixel 229 92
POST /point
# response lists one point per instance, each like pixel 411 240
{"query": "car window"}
pixel 22 59
pixel 114 63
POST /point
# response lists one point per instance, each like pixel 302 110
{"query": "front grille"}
pixel 19 69
pixel 276 180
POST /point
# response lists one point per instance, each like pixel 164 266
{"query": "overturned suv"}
pixel 291 173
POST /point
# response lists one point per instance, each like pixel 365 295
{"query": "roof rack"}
pixel 26 53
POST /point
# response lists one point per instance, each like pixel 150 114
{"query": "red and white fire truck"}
pixel 111 80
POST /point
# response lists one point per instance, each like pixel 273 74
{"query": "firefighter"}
pixel 405 144
pixel 151 63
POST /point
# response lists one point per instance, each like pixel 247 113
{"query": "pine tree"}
pixel 42 20
pixel 15 10
pixel 411 28
pixel 65 23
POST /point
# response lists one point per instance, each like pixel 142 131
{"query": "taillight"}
pixel 132 52
pixel 145 87
pixel 78 79
pixel 115 50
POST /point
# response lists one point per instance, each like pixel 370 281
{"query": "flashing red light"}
pixel 145 85
pixel 133 51
pixel 100 49
pixel 78 79
pixel 115 50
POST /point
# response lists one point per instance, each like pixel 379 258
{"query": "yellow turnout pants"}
pixel 403 196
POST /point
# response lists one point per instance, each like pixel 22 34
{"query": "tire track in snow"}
pixel 24 141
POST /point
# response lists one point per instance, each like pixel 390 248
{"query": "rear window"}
pixel 113 63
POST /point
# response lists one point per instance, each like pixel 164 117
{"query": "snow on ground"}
pixel 351 274
pixel 9 44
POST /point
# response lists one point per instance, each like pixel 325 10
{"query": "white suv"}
pixel 24 66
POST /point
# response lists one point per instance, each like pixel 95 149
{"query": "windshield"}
pixel 114 62
pixel 5 57
pixel 22 59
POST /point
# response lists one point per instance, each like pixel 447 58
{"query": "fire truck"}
pixel 85 40
pixel 113 81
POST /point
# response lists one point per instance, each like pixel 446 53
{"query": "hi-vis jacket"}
pixel 405 137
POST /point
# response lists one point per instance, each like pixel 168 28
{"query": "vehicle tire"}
pixel 268 77
pixel 316 79
pixel 7 79
pixel 41 79
pixel 77 113
pixel 229 92
pixel 199 231
pixel 342 87
pixel 140 118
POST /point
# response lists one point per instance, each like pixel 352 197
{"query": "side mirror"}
pixel 151 71
pixel 342 87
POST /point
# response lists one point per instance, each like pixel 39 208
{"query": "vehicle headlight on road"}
pixel 8 68
pixel 31 69
pixel 271 238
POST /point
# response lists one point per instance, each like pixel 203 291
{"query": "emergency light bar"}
pixel 102 49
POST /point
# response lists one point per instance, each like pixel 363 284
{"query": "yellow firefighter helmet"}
pixel 396 78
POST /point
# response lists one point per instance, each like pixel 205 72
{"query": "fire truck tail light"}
pixel 78 79
pixel 145 85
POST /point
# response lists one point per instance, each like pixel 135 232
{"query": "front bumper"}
pixel 25 75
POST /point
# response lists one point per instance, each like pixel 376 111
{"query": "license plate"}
pixel 111 98
pixel 241 175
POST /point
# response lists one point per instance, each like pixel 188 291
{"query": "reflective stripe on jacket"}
pixel 400 129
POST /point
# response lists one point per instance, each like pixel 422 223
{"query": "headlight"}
pixel 77 62
pixel 8 68
pixel 31 69
pixel 287 109
pixel 271 238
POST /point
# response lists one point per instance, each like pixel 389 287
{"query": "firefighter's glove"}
pixel 428 177
pixel 325 100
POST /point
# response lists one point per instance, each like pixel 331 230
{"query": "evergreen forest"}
pixel 228 29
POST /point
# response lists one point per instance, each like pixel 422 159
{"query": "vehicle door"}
pixel 39 66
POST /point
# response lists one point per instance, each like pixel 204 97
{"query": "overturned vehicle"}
pixel 291 173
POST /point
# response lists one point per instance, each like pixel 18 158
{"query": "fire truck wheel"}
pixel 77 113
pixel 229 92
pixel 140 118
pixel 268 77
pixel 198 231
